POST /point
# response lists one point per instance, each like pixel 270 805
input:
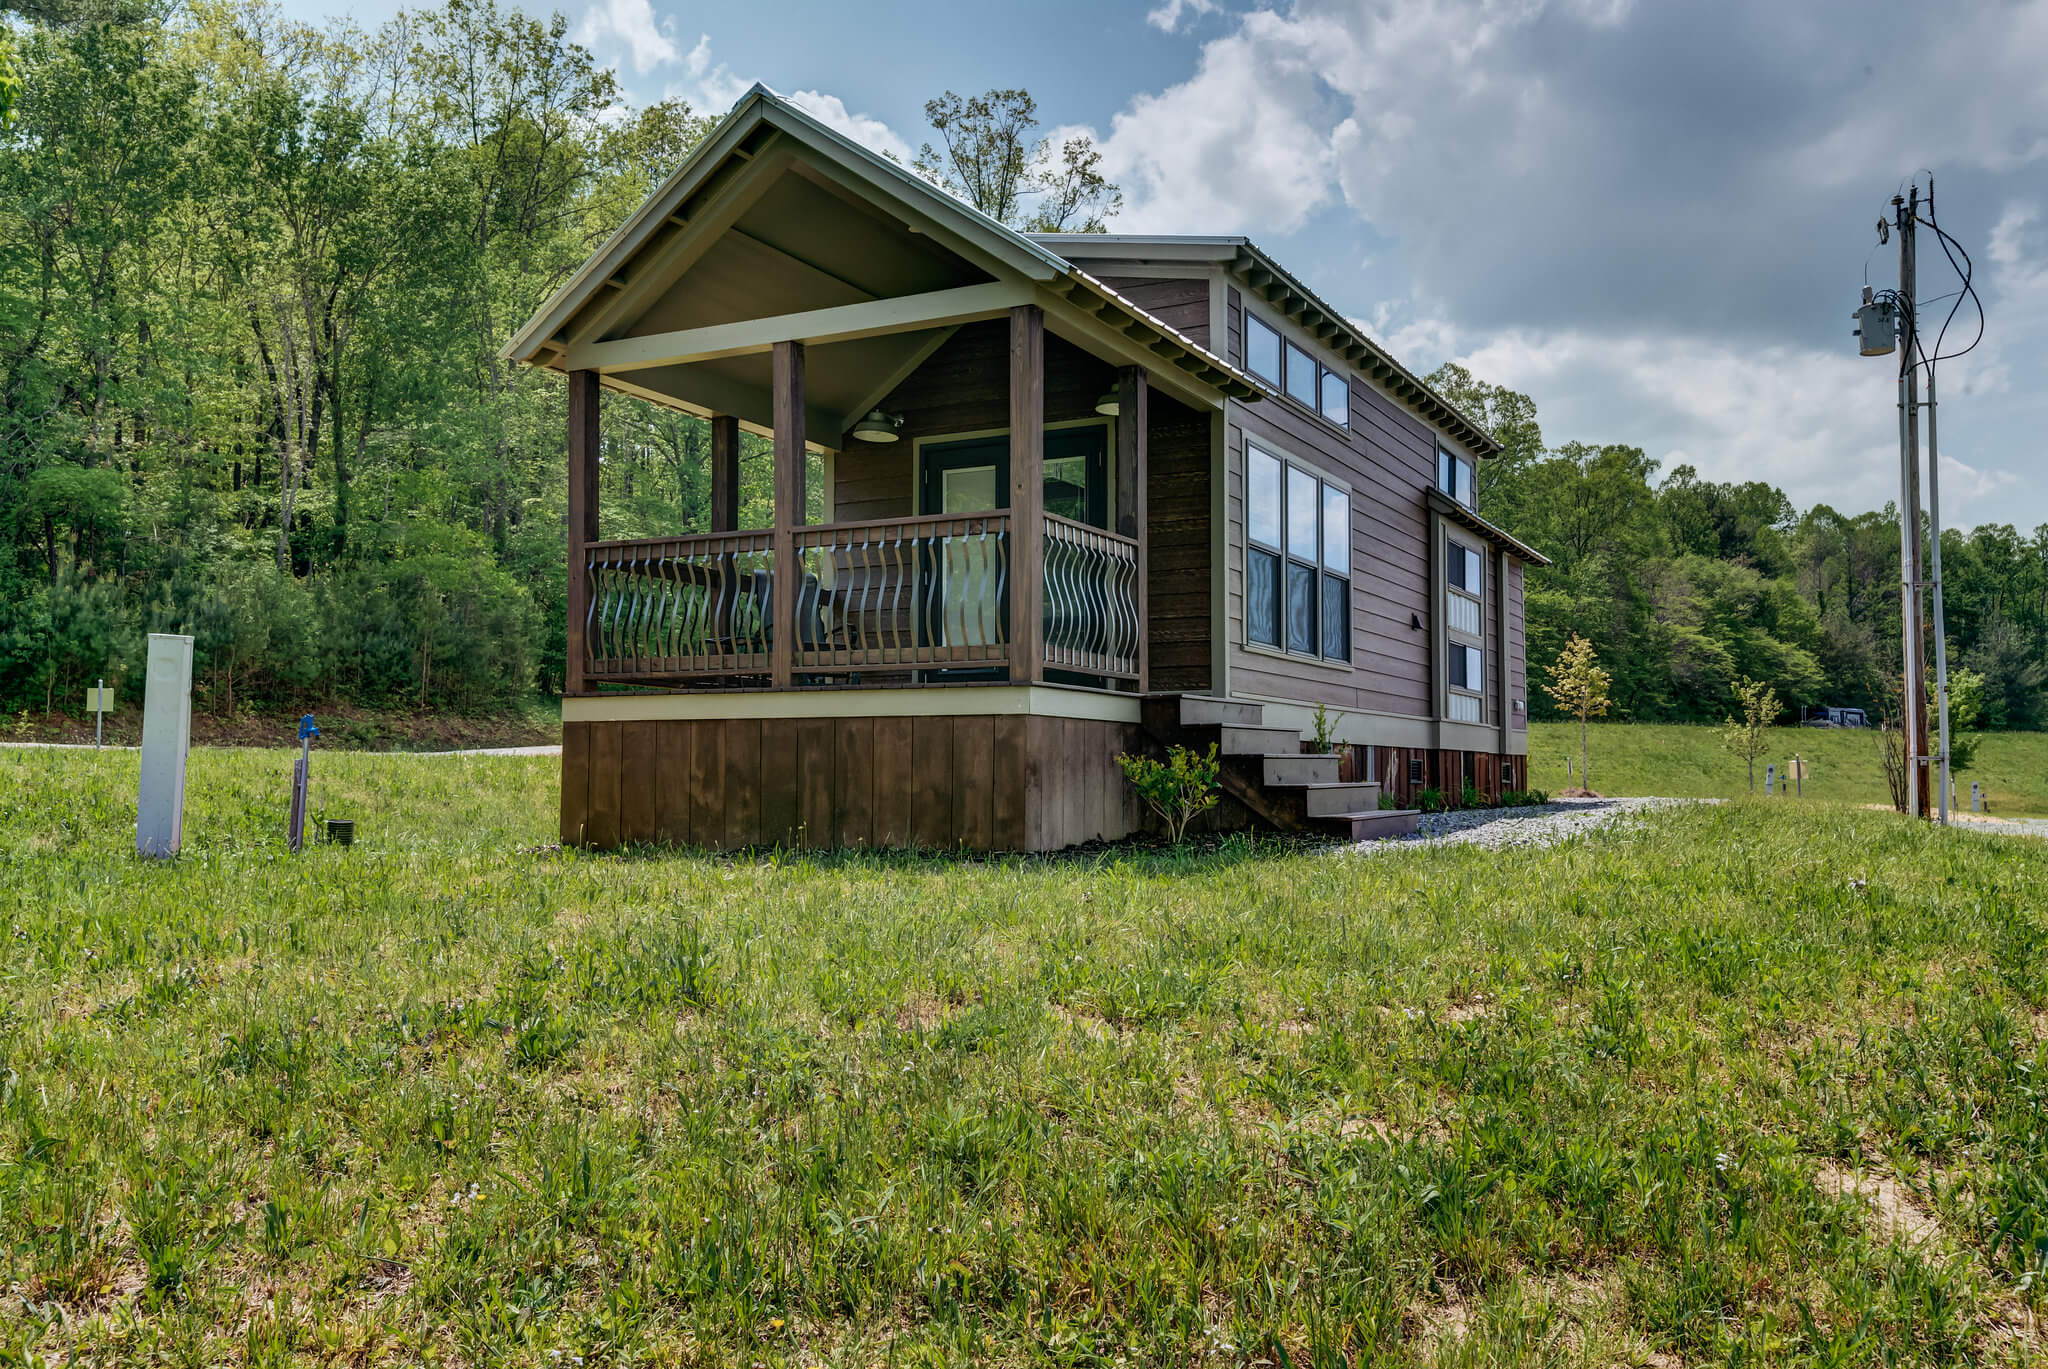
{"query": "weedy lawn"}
pixel 1672 759
pixel 1737 1083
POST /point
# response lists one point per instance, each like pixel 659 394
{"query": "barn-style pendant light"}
pixel 878 427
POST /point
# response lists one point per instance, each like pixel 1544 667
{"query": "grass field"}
pixel 452 1097
pixel 1690 762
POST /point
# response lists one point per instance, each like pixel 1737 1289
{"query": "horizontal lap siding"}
pixel 1388 459
pixel 1179 304
pixel 1178 552
pixel 963 387
pixel 945 782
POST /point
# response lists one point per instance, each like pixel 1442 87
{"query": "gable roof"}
pixel 759 125
pixel 1259 273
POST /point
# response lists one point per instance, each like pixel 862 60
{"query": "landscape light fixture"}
pixel 879 427
pixel 1109 405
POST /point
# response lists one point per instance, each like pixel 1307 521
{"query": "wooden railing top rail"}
pixel 916 520
pixel 745 541
pixel 1068 525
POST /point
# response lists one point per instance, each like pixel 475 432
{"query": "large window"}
pixel 1297 561
pixel 1454 477
pixel 1464 605
pixel 1290 369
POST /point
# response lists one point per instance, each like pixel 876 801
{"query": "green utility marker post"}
pixel 99 700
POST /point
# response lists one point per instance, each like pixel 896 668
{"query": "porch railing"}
pixel 1091 600
pixel 897 598
pixel 904 592
pixel 679 606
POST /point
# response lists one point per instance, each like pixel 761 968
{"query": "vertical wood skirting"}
pixel 725 473
pixel 1133 421
pixel 973 782
pixel 583 440
pixel 789 504
pixel 1027 492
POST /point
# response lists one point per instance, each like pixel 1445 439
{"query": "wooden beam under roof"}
pixel 841 323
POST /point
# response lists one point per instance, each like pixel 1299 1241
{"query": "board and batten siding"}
pixel 1518 646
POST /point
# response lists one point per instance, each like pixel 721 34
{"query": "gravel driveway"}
pixel 1540 825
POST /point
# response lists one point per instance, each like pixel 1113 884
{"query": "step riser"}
pixel 1283 772
pixel 1347 798
pixel 1196 711
pixel 1259 741
pixel 1374 826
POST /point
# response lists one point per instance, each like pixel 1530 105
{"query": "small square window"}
pixel 1336 399
pixel 1261 350
pixel 1301 376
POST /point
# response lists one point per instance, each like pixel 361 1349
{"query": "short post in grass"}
pixel 1976 797
pixel 1796 772
pixel 301 776
pixel 166 738
pixel 99 700
pixel 1770 780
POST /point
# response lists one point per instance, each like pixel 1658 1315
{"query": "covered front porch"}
pixel 983 496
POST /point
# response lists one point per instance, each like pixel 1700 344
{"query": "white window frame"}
pixel 1467 702
pixel 1324 572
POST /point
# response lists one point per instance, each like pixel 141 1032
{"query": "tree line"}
pixel 254 275
pixel 1687 587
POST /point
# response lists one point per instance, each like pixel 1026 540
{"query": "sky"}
pixel 1653 216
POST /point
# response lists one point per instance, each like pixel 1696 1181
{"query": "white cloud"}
pixel 1168 15
pixel 713 88
pixel 864 129
pixel 631 23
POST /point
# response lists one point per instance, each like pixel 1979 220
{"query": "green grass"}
pixel 451 1097
pixel 1690 762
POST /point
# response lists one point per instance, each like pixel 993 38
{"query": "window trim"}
pixel 1450 461
pixel 1289 463
pixel 1278 385
pixel 1456 638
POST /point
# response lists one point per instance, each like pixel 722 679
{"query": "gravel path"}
pixel 1501 828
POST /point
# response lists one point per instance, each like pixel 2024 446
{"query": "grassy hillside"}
pixel 453 1097
pixel 1690 762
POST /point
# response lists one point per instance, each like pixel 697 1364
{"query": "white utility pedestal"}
pixel 166 737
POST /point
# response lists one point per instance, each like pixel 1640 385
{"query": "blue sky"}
pixel 1653 216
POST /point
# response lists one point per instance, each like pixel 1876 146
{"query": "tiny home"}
pixel 1082 496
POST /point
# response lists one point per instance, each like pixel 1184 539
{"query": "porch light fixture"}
pixel 1108 404
pixel 878 427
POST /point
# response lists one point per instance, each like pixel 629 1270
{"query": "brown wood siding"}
pixel 1389 460
pixel 1179 304
pixel 963 387
pixel 1178 547
pixel 978 783
pixel 1442 770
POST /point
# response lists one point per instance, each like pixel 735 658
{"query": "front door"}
pixel 973 476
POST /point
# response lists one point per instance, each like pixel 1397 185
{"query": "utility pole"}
pixel 1906 212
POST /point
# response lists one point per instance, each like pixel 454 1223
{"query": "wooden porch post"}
pixel 1133 421
pixel 789 506
pixel 725 473
pixel 583 415
pixel 1027 493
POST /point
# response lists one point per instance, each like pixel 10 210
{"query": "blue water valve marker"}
pixel 302 774
pixel 306 728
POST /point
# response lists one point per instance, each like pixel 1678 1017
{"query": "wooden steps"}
pixel 1265 769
